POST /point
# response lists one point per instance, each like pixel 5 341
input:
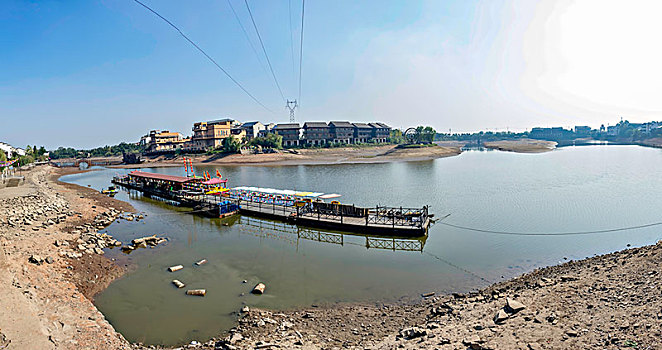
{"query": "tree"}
pixel 269 141
pixel 231 145
pixel 41 151
pixel 3 156
pixel 396 136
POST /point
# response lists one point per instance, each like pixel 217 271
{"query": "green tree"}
pixel 3 156
pixel 269 141
pixel 231 145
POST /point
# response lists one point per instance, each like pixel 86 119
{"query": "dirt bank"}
pixel 522 145
pixel 49 268
pixel 345 155
pixel 607 302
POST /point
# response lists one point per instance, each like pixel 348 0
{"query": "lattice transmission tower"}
pixel 291 106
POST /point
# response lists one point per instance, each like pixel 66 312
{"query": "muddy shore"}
pixel 609 302
pixel 522 146
pixel 311 156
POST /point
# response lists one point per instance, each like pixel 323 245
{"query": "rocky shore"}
pixel 52 264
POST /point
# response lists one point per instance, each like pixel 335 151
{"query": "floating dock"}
pixel 300 208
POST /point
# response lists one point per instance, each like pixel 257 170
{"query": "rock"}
pixel 235 337
pixel 245 309
pixel 198 292
pixel 178 283
pixel 500 317
pixel 567 278
pixel 175 268
pixel 36 259
pixel 49 260
pixel 201 262
pixel 412 332
pixel 514 306
pixel 473 342
pixel 427 295
pixel 259 288
pixel 571 333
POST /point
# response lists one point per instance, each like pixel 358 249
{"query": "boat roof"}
pixel 281 192
pixel 163 177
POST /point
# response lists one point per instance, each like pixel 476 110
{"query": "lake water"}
pixel 570 189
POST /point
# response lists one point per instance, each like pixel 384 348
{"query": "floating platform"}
pixel 297 208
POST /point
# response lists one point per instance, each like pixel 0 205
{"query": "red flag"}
pixel 218 174
pixel 185 165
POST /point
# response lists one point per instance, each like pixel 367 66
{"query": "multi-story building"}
pixel 583 130
pixel 252 129
pixel 10 150
pixel 341 132
pixel 239 133
pixel 362 132
pixel 380 132
pixel 289 132
pixel 210 135
pixel 316 133
pixel 163 141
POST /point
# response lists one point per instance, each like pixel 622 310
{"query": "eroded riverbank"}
pixel 47 282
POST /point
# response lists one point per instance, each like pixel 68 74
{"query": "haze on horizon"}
pixel 87 74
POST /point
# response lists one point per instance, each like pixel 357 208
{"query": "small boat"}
pixel 111 191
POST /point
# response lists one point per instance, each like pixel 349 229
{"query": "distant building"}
pixel 341 132
pixel 380 132
pixel 163 141
pixel 316 133
pixel 362 132
pixel 289 132
pixel 239 133
pixel 210 135
pixel 10 150
pixel 613 130
pixel 554 133
pixel 252 129
pixel 583 130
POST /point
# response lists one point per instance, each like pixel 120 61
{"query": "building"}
pixel 362 132
pixel 582 130
pixel 210 135
pixel 10 150
pixel 341 132
pixel 380 132
pixel 239 133
pixel 163 141
pixel 554 133
pixel 289 132
pixel 253 129
pixel 316 133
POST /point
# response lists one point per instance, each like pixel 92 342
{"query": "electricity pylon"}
pixel 291 106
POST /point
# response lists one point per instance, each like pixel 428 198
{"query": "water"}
pixel 570 189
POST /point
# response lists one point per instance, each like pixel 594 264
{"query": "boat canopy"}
pixel 282 192
pixel 214 181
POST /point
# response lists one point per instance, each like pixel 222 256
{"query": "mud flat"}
pixel 344 155
pixel 522 145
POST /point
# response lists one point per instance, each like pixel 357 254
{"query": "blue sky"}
pixel 90 73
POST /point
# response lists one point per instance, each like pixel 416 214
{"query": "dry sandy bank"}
pixel 522 145
pixel 346 155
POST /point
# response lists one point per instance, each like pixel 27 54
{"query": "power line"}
pixel 264 50
pixel 289 8
pixel 303 11
pixel 206 55
pixel 553 233
pixel 243 29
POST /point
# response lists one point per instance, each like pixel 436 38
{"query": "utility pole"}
pixel 291 106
